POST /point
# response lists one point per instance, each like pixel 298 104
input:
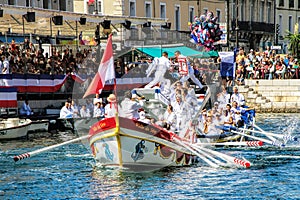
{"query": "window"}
pixel 280 24
pixel 291 3
pixel 242 10
pixel 269 12
pixel 261 10
pixel 177 17
pixel 218 15
pixel 93 9
pixel 290 24
pixel 11 2
pixel 45 4
pixel 252 11
pixel 233 10
pixel 27 3
pixel 162 10
pixel 298 23
pixel 205 10
pixel 132 8
pixel 191 13
pixel 281 3
pixel 298 3
pixel 148 9
pixel 62 5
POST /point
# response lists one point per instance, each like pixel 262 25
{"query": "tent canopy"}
pixel 186 51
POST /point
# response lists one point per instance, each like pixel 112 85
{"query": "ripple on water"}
pixel 69 172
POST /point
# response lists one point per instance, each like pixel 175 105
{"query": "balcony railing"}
pixel 253 26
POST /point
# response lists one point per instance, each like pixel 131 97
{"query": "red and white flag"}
pixel 106 70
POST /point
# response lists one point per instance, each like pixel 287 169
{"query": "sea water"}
pixel 69 172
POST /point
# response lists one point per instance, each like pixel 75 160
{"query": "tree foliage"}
pixel 294 43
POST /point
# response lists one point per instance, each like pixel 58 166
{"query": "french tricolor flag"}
pixel 8 97
pixel 106 71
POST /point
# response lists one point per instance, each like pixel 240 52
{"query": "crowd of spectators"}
pixel 27 58
pixel 265 65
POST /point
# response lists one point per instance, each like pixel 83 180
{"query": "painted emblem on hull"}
pixel 139 151
pixel 109 155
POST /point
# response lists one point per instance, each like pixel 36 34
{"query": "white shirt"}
pixel 65 113
pixel 85 112
pixel 239 98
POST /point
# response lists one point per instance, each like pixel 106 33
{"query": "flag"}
pixel 227 68
pixel 106 70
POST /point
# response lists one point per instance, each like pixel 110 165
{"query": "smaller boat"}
pixel 14 128
pixel 39 125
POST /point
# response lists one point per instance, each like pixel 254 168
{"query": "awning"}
pixel 186 51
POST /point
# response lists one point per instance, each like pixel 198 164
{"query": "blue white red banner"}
pixel 8 97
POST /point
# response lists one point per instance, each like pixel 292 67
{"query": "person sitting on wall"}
pixel 25 109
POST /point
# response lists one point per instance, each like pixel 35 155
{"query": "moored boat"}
pixel 14 128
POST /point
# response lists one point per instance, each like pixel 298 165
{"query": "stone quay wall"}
pixel 278 96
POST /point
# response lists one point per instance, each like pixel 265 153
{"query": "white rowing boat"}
pixel 14 128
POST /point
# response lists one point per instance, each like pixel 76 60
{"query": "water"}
pixel 69 172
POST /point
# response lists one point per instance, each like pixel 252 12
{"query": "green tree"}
pixel 294 42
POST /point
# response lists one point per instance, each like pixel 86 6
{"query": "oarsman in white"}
pixel 85 112
pixel 66 111
pixel 168 120
pixel 183 114
pixel 130 106
pixel 223 98
pixel 111 107
pixel 238 97
pixel 190 101
pixel 162 65
pixel 186 70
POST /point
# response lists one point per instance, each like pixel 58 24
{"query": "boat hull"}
pixel 14 128
pixel 39 125
pixel 135 146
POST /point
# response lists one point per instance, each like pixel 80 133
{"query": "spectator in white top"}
pixel 84 112
pixel 25 109
pixel 5 66
pixel 66 111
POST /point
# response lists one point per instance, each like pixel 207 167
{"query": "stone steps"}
pixel 272 95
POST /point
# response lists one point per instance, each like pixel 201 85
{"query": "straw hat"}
pixel 111 98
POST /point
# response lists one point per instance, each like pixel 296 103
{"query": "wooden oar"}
pixel 283 137
pixel 30 154
pixel 226 157
pixel 196 153
pixel 246 143
pixel 274 143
